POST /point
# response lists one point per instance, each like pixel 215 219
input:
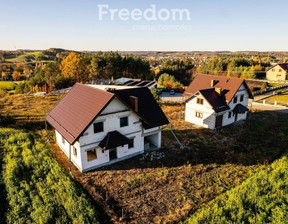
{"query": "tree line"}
pixel 235 66
pixel 76 67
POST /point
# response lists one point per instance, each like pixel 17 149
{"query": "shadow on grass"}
pixel 262 139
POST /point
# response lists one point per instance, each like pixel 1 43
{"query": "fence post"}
pixel 264 101
pixel 275 103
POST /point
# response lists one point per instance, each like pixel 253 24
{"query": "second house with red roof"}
pixel 215 101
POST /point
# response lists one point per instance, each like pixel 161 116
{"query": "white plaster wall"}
pixel 64 147
pixel 111 123
pixel 208 119
pixel 114 106
pixel 226 119
pixel 150 130
pixel 155 139
pixel 241 90
pixel 138 143
pixel 111 117
pixel 102 157
pixel 77 160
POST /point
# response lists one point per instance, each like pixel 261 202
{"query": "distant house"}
pixel 96 128
pixel 278 72
pixel 215 101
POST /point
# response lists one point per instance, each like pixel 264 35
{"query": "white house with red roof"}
pixel 97 127
pixel 215 101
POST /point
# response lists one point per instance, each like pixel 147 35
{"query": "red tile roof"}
pixel 217 101
pixel 229 86
pixel 77 110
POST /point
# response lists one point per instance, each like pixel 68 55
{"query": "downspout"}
pixel 249 113
pixel 252 100
pixel 181 146
pixel 70 163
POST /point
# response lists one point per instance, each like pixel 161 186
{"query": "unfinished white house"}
pixel 215 101
pixel 97 127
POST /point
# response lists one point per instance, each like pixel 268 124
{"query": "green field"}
pixel 27 56
pixel 34 187
pixel 281 99
pixel 7 85
pixel 262 198
pixel 273 84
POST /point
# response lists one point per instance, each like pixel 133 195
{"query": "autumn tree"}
pixel 28 70
pixel 165 77
pixel 4 75
pixel 76 66
pixel 51 71
pixel 16 75
pixel 169 82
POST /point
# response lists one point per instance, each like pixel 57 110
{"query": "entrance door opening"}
pixel 219 120
pixel 112 154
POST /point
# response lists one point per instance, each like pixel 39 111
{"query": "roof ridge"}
pixel 221 76
pixel 89 86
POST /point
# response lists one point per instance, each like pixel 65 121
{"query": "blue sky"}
pixel 259 25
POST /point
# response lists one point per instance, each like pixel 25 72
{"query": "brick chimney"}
pixel 133 100
pixel 218 90
pixel 213 82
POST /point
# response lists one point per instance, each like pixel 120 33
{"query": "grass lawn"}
pixel 176 183
pixel 7 85
pixel 281 99
pixel 272 84
pixel 27 110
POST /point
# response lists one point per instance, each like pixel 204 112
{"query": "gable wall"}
pixel 111 119
pixel 241 91
pixel 275 74
pixel 208 119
